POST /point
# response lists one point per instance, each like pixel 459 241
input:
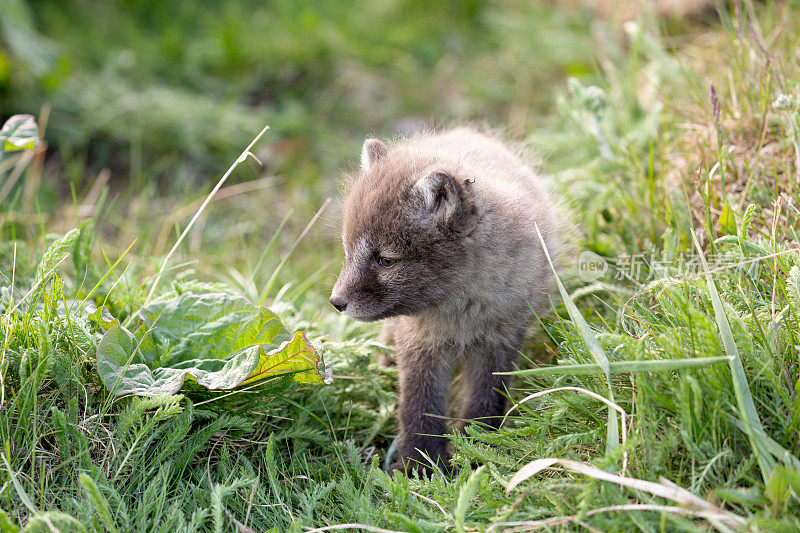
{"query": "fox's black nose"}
pixel 338 303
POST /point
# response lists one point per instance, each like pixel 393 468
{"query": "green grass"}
pixel 700 349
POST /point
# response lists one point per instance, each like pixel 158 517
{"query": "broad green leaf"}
pixel 19 133
pixel 218 340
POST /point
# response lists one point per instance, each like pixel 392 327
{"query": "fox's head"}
pixel 406 232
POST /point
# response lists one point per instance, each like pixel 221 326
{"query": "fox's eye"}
pixel 387 262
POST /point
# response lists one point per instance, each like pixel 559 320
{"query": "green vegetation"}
pixel 661 395
pixel 218 340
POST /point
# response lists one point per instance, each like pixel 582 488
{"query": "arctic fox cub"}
pixel 440 241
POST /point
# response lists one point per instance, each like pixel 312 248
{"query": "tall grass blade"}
pixel 744 398
pixel 780 453
pixel 620 367
pixel 665 489
pixel 599 355
pixel 17 485
pixel 273 278
pixel 594 395
pixel 202 208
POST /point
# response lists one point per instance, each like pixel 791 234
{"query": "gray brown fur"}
pixel 458 211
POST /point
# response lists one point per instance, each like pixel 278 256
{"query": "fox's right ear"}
pixel 372 152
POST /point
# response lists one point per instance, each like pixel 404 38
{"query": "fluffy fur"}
pixel 440 240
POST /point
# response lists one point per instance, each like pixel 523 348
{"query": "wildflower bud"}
pixel 631 28
pixel 783 102
pixel 715 104
pixel 594 99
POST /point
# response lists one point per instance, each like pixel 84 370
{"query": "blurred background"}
pixel 144 105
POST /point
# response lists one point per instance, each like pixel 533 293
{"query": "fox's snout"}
pixel 339 303
pixel 339 295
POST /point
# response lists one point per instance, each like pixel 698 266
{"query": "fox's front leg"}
pixel 484 394
pixel 424 381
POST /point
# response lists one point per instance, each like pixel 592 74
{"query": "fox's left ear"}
pixel 438 195
pixel 372 152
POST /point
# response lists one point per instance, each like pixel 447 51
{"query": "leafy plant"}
pixel 218 340
pixel 19 133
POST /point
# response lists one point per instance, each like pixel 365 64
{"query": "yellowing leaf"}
pixel 296 355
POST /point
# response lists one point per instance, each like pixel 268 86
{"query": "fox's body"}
pixel 440 240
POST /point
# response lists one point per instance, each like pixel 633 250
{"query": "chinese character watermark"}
pixel 644 268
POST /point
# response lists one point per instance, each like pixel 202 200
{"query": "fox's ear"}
pixel 437 195
pixel 372 152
